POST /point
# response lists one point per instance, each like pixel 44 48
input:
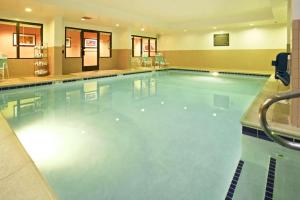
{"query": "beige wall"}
pixel 20 67
pixel 119 60
pixel 256 59
pixel 250 49
pixel 265 37
pixel 55 55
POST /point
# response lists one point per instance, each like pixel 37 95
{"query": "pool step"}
pixel 252 181
pixel 287 181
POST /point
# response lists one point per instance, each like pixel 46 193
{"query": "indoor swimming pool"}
pixel 160 135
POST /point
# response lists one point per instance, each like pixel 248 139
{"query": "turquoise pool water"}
pixel 163 135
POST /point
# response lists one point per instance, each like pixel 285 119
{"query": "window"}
pixel 153 46
pixel 137 46
pixel 7 30
pixel 18 39
pixel 105 45
pixel 143 46
pixel 29 37
pixel 73 43
pixel 74 38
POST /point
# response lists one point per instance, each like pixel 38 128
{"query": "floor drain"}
pixel 280 156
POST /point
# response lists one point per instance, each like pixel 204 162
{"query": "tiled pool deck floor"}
pixel 20 179
pixel 279 115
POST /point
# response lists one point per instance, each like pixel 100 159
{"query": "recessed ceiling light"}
pixel 82 19
pixel 142 29
pixel 251 24
pixel 28 9
pixel 117 25
pixel 214 27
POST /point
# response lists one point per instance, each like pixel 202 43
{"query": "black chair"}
pixel 281 64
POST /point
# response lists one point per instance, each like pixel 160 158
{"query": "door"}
pixel 90 50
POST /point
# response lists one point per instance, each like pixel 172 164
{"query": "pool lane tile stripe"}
pixel 270 180
pixel 234 181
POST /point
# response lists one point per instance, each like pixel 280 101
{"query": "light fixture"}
pixel 215 28
pixel 215 73
pixel 117 119
pixel 251 24
pixel 142 29
pixel 28 9
pixel 142 110
pixel 162 103
pixel 185 30
pixel 214 114
pixel 117 25
pixel 185 107
pixel 85 18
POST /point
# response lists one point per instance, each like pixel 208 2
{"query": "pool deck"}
pixel 19 177
pixel 279 115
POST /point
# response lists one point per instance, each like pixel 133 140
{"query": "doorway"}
pixel 90 50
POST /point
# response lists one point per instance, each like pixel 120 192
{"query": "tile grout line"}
pixel 234 181
pixel 271 180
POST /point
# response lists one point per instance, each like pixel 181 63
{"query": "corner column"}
pixel 295 64
pixel 56 42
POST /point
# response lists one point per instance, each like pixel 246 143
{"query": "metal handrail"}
pixel 264 123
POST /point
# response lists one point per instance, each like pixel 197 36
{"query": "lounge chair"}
pixel 147 61
pixel 160 60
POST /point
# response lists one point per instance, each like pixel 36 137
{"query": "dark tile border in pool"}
pixel 26 85
pixel 234 181
pixel 271 179
pixel 231 73
pixel 259 134
pixel 114 75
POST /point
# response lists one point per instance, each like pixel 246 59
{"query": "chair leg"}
pixel 7 72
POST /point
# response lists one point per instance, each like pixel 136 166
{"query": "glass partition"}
pixel 137 43
pixel 73 43
pixel 90 49
pixel 105 45
pixel 29 37
pixel 7 31
pixel 152 47
pixel 145 47
pixel 18 39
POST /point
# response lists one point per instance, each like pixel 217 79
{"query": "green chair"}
pixel 160 60
pixel 4 66
pixel 147 61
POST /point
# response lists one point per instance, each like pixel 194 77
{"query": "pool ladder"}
pixel 264 123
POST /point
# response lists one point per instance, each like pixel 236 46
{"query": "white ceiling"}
pixel 156 15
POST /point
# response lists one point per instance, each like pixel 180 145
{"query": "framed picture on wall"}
pixel 28 40
pixel 221 39
pixel 68 42
pixel 90 43
pixel 146 48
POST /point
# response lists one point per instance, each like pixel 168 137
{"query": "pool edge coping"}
pixel 27 163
